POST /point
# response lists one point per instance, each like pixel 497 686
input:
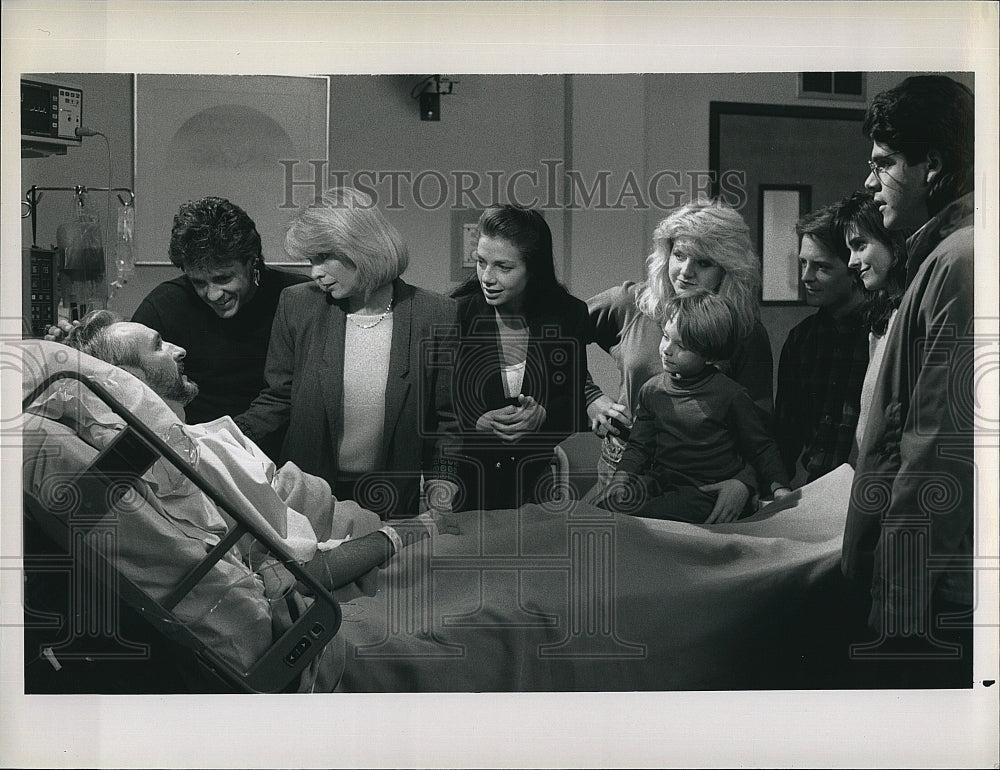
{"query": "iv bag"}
pixel 124 251
pixel 82 268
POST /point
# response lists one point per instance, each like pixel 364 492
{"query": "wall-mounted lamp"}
pixel 429 92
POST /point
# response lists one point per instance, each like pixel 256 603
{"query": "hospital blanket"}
pixel 577 598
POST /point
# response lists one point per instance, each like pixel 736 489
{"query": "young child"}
pixel 693 425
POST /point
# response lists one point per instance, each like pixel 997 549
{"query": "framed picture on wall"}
pixel 780 207
pixel 772 153
pixel 464 239
pixel 260 141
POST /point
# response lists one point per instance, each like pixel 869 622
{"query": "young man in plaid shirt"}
pixel 823 361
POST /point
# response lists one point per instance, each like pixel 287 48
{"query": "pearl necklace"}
pixel 374 323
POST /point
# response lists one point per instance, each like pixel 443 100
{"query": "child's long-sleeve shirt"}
pixel 704 429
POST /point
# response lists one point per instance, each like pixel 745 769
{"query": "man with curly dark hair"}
pixel 221 309
pixel 909 534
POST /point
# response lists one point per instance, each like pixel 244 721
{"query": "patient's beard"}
pixel 176 390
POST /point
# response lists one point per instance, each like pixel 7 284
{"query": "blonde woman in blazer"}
pixel 353 381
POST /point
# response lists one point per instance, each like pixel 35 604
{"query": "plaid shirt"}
pixel 820 374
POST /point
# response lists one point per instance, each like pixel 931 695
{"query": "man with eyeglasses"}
pixel 908 539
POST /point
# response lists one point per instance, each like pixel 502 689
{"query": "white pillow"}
pixel 70 403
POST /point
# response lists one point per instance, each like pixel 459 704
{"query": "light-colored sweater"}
pixel 366 368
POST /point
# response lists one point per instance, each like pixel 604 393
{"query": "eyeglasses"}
pixel 879 167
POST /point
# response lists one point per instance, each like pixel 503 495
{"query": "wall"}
pixel 490 123
pixel 611 124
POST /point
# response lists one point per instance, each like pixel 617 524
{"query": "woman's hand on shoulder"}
pixel 62 328
pixel 602 411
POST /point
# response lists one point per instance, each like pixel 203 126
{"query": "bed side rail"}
pixel 118 468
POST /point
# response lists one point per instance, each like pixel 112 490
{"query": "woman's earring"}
pixel 256 276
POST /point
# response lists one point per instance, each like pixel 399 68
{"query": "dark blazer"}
pixel 498 474
pixel 304 392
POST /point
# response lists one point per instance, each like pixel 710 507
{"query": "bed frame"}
pixel 116 471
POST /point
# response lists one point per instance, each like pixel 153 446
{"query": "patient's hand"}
pixel 440 499
pixel 58 332
pixel 278 581
pixel 440 495
pixel 445 523
pixel 733 496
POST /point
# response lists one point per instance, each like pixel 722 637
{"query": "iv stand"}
pixel 34 195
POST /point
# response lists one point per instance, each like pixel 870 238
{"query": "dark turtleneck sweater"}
pixel 703 429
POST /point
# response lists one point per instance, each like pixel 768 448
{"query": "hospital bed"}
pixel 554 597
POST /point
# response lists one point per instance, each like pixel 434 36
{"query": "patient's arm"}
pixel 352 560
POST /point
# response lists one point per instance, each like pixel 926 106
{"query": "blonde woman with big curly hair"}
pixel 704 244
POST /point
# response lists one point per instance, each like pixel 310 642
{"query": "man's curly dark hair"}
pixel 213 230
pixel 924 113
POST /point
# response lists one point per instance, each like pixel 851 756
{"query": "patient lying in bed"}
pixel 240 606
pixel 556 597
pixel 234 462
